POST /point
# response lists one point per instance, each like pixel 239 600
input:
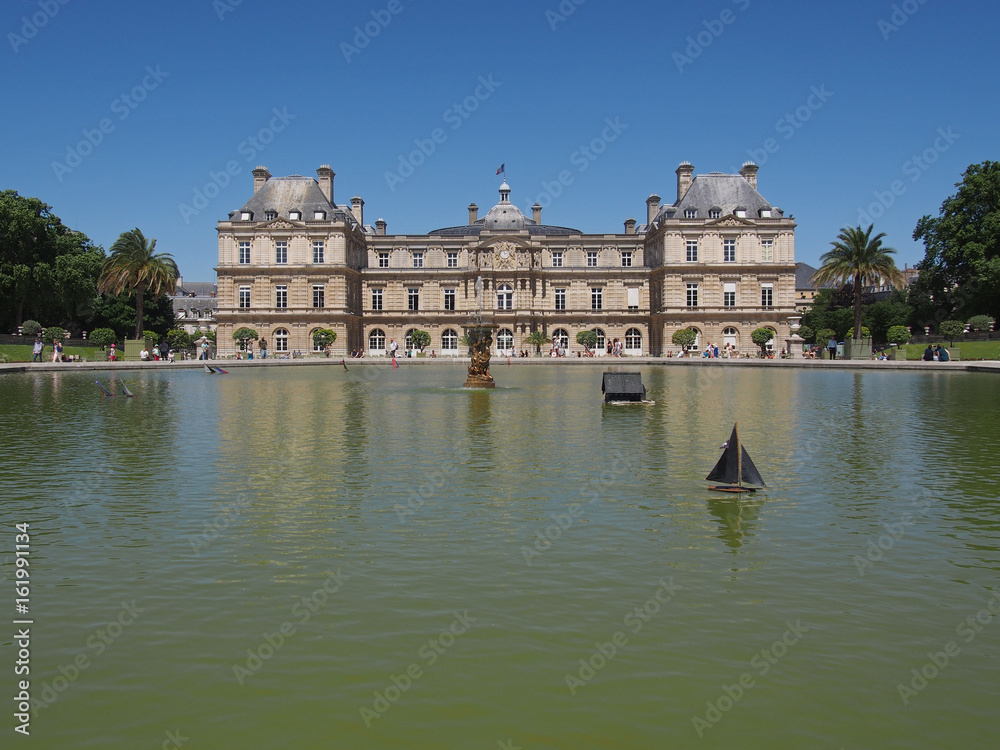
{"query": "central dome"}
pixel 505 215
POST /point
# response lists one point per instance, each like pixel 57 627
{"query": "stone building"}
pixel 720 259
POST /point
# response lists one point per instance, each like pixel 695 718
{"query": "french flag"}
pixel 501 168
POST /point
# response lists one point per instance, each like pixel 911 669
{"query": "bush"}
pixel 898 335
pixel 54 333
pixel 587 339
pixel 323 337
pixel 178 338
pixel 419 338
pixel 684 337
pixel 865 332
pixel 823 336
pixel 807 334
pixel 151 336
pixel 103 337
pixel 981 323
pixel 30 328
pixel 760 337
pixel 950 329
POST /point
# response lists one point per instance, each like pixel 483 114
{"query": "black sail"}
pixel 750 474
pixel 727 470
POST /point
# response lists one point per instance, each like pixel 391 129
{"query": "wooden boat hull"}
pixel 728 488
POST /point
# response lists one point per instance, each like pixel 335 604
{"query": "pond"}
pixel 376 558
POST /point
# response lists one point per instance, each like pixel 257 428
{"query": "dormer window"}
pixel 690 213
pixel 246 216
pixel 270 215
pixel 295 215
pixel 765 213
pixel 715 213
pixel 319 215
pixel 740 213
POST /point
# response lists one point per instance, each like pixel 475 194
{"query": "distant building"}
pixel 720 259
pixel 806 290
pixel 195 304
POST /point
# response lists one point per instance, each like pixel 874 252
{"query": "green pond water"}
pixel 303 557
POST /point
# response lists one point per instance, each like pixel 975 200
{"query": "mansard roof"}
pixel 293 193
pixel 534 230
pixel 726 192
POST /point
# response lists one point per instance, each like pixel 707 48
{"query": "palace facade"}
pixel 720 259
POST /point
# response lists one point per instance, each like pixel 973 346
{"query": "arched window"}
pixel 408 340
pixel 633 341
pixel 505 340
pixel 505 297
pixel 280 340
pixel 376 340
pixel 560 338
pixel 602 341
pixel 730 337
pixel 449 341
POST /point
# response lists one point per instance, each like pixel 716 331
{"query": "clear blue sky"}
pixel 181 92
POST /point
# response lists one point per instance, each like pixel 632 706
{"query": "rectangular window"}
pixel 596 298
pixel 244 252
pixel 412 299
pixel 560 299
pixel 418 260
pixel 767 251
pixel 449 299
pixel 319 296
pixel 633 297
pixel 692 251
pixel 376 299
pixel 557 257
pixel 714 213
pixel 452 260
pixel 729 294
pixel 690 213
pixel 591 258
pixel 281 296
pixel 626 258
pixel 729 251
pixel 318 251
pixel 281 252
pixel 766 295
pixel 383 260
pixel 244 298
pixel 692 295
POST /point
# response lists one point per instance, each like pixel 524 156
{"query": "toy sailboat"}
pixel 735 468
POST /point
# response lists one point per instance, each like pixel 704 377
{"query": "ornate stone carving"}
pixel 504 255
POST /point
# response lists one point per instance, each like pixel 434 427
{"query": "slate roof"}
pixel 292 193
pixel 726 192
pixel 476 229
pixel 804 272
pixel 198 288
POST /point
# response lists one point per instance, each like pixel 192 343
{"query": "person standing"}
pixel 57 351
pixel 204 349
pixel 831 345
pixel 263 348
pixel 113 353
pixel 36 350
pixel 393 346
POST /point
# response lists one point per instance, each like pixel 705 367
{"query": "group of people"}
pixel 936 354
pixel 157 354
pixel 57 351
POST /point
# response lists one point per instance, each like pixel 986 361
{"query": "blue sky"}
pixel 121 113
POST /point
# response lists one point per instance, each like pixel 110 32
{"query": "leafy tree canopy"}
pixel 419 338
pixel 53 334
pixel 951 329
pixel 133 266
pixel 103 337
pixel 760 337
pixel 587 339
pixel 684 337
pixel 118 313
pixel 981 323
pixel 898 335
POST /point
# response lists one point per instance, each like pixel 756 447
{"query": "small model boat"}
pixel 620 388
pixel 104 391
pixel 209 370
pixel 735 468
pixel 126 392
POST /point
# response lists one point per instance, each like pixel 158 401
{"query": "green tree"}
pixel 898 335
pixel 178 338
pixel 760 337
pixel 961 265
pixel 244 335
pixel 420 339
pixel 587 339
pixel 951 329
pixel 823 336
pixel 118 313
pixel 30 328
pixel 860 259
pixel 981 323
pixel 684 337
pixel 103 337
pixel 807 334
pixel 865 333
pixel 537 339
pixel 53 334
pixel 323 337
pixel 134 266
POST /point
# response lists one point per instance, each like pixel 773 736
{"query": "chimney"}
pixel 473 213
pixel 260 176
pixel 358 209
pixel 652 207
pixel 685 172
pixel 380 226
pixel 630 226
pixel 536 211
pixel 749 173
pixel 326 175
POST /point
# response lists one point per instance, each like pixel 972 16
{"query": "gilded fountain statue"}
pixel 480 339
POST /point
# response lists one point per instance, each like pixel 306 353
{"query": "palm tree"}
pixel 537 339
pixel 861 259
pixel 132 266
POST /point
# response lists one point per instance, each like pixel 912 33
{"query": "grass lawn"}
pixel 964 349
pixel 22 352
